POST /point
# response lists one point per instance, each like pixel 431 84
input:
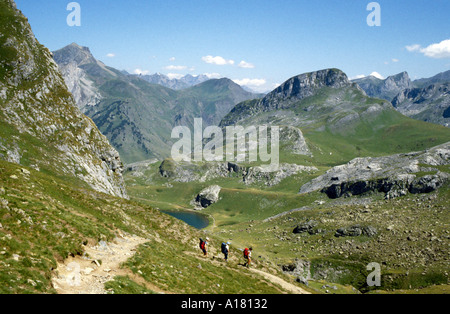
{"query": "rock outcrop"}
pixel 394 175
pixel 203 172
pixel 356 231
pixel 306 227
pixel 256 175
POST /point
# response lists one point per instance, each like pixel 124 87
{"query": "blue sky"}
pixel 257 43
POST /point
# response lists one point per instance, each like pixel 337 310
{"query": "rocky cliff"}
pixel 41 125
pixel 431 103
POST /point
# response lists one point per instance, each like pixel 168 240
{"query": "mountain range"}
pixel 424 99
pixel 175 83
pixel 138 116
pixel 137 112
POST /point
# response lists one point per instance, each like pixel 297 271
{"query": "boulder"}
pixel 306 227
pixel 208 196
pixel 356 231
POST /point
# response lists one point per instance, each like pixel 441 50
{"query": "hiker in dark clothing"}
pixel 226 250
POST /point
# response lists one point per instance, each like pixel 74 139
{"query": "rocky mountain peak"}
pixel 400 81
pixel 306 84
pixel 74 53
pixel 387 88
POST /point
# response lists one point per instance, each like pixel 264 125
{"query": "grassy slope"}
pixel 410 244
pixel 45 219
pixel 389 133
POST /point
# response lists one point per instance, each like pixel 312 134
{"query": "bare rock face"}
pixel 47 130
pixel 394 175
pixel 306 85
pixel 204 172
pixel 257 175
pixel 431 104
pixel 82 88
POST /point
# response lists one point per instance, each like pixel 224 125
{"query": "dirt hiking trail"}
pixel 279 281
pixel 88 274
pixel 288 287
pixel 101 263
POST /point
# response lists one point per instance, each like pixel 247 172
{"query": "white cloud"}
pixel 174 76
pixel 395 60
pixel 141 72
pixel 377 75
pixel 172 59
pixel 436 51
pixel 212 75
pixel 218 60
pixel 110 55
pixel 246 65
pixel 176 67
pixel 250 82
pixel 413 48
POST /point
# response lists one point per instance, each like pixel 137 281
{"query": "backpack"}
pixel 246 253
pixel 202 244
pixel 224 248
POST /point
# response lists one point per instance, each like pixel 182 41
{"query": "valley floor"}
pixel 410 239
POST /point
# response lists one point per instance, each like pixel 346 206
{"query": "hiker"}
pixel 203 244
pixel 226 250
pixel 248 256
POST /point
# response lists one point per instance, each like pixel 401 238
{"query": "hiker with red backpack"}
pixel 203 244
pixel 248 256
